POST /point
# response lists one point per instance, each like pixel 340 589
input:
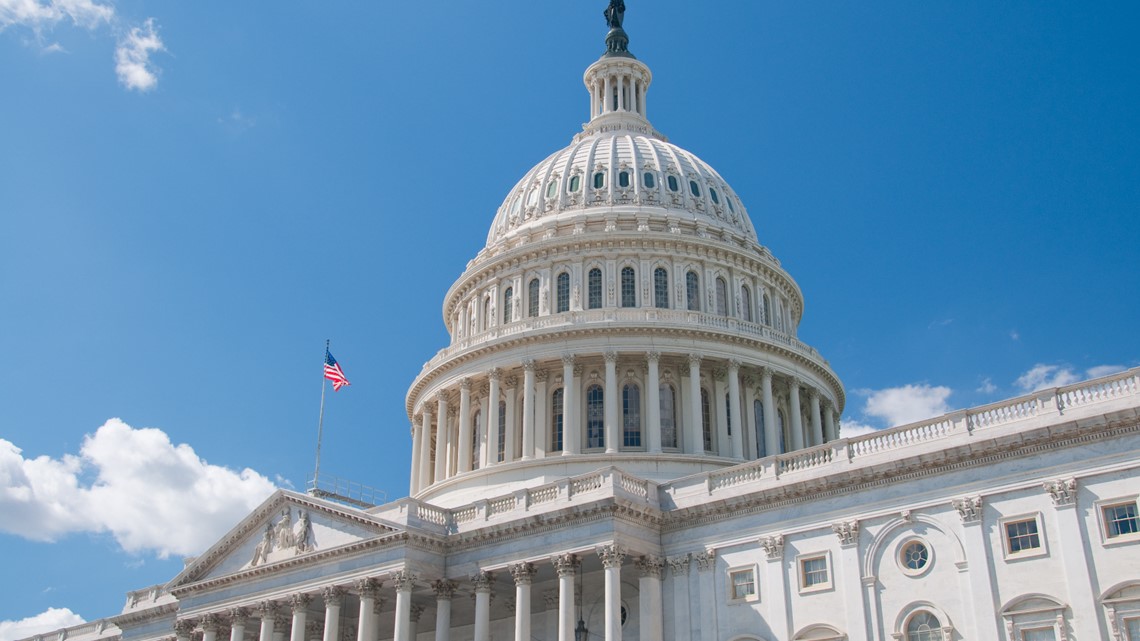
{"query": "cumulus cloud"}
pixel 150 494
pixel 1043 376
pixel 47 621
pixel 987 386
pixel 132 57
pixel 1104 370
pixel 135 44
pixel 851 429
pixel 908 403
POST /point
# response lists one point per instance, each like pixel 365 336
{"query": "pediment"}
pixel 286 527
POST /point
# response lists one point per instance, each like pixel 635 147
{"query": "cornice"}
pixel 149 614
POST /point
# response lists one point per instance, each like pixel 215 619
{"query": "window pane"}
pixel 650 181
pixel 694 188
pixel 508 297
pixel 595 289
pixel 661 288
pixel 575 183
pixel 743 584
pixel 672 182
pixel 532 295
pixel 502 429
pixel 476 446
pixel 924 627
pixel 563 292
pixel 631 416
pixel 758 410
pixel 1022 535
pixel 706 420
pixel 668 416
pixel 693 291
pixel 814 571
pixel 721 297
pixel 623 179
pixel 599 180
pixel 556 423
pixel 595 417
pixel 1039 634
pixel 628 287
pixel 551 188
pixel 1133 627
pixel 728 413
pixel 1121 519
pixel 746 302
pixel 712 194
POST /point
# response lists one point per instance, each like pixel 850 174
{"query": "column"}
pixel 612 432
pixel 528 410
pixel 280 626
pixel 333 597
pixel 816 421
pixel 771 430
pixel 300 606
pixel 523 574
pixel 404 581
pixel 426 450
pixel 621 93
pixel 649 598
pixel 751 422
pixel 377 609
pixel 183 630
pixel 441 437
pixel 493 417
pixel 1074 559
pixel 607 100
pixel 797 420
pixel 653 401
pixel 238 617
pixel 777 586
pixel 612 556
pixel 444 591
pixel 414 621
pixel 829 422
pixel 417 443
pixel 848 535
pixel 464 426
pixel 267 610
pixel 737 436
pixel 512 384
pixel 679 571
pixel 981 590
pixel 571 430
pixel 706 564
pixel 366 623
pixel 210 625
pixel 483 581
pixel 566 565
pixel 695 428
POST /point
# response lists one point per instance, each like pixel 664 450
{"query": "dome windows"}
pixel 599 179
pixel 594 289
pixel 628 287
pixel 713 195
pixel 551 188
pixel 694 189
pixel 562 293
pixel 661 288
pixel 673 184
pixel 693 291
pixel 532 298
pixel 508 298
pixel 649 180
pixel 623 179
pixel 575 183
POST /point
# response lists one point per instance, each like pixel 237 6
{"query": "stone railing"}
pixel 640 315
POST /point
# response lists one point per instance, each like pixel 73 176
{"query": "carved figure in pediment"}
pixel 261 552
pixel 304 534
pixel 285 530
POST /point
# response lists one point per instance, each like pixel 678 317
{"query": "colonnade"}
pixel 616 402
pixel 617 90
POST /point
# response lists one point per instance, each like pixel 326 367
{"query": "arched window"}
pixel 780 423
pixel 706 420
pixel 628 287
pixel 476 430
pixel 623 179
pixel 532 298
pixel 661 288
pixel 694 189
pixel 508 298
pixel 672 182
pixel 693 291
pixel 758 411
pixel 556 420
pixel 595 417
pixel 502 431
pixel 721 297
pixel 562 298
pixel 668 416
pixel 551 188
pixel 713 195
pixel 599 180
pixel 650 181
pixel 594 289
pixel 764 311
pixel 924 626
pixel 575 183
pixel 631 415
pixel 746 302
pixel 486 319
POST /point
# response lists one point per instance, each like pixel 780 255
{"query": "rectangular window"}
pixel 1133 628
pixel 742 584
pixel 1120 519
pixel 1022 536
pixel 1039 634
pixel 813 573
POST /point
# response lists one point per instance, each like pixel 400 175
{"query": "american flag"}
pixel 334 373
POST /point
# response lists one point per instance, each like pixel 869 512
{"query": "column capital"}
pixel 300 602
pixel 483 581
pixel 210 622
pixel 678 565
pixel 495 374
pixel 523 573
pixel 238 616
pixel 734 364
pixel 441 396
pixel 183 627
pixel 511 382
pixel 969 508
pixel 366 588
pixel 404 580
pixel 610 356
pixel 568 359
pixel 847 532
pixel 695 360
pixel 1062 491
pixel 766 374
pixel 566 564
pixel 444 589
pixel 266 609
pixel 653 356
pixel 706 560
pixel 794 382
pixel 650 565
pixel 333 595
pixel 813 395
pixel 541 375
pixel 528 364
pixel 773 546
pixel 611 555
pixel 465 384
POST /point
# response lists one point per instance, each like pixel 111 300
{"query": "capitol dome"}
pixel 622 314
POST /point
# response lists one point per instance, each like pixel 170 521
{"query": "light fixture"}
pixel 580 632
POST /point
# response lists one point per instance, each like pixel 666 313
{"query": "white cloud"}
pixel 132 57
pixel 151 495
pixel 38 15
pixel 1042 376
pixel 47 621
pixel 851 429
pixel 906 404
pixel 1014 335
pixel 987 386
pixel 1104 370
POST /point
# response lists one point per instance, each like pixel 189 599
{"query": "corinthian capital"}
pixel 565 564
pixel 523 573
pixel 611 555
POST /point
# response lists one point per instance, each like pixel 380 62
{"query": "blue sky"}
pixel 194 196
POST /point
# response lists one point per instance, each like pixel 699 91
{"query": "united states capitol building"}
pixel 626 439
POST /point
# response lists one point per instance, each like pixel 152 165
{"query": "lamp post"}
pixel 580 632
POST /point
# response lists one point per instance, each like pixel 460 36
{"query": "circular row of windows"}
pixel 624 179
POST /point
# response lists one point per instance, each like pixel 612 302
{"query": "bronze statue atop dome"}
pixel 615 13
pixel 617 42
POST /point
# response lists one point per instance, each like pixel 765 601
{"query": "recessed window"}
pixel 742 585
pixel 721 297
pixel 599 180
pixel 628 287
pixel 1022 536
pixel 715 198
pixel 1043 634
pixel 673 184
pixel 1120 520
pixel 594 289
pixel 532 298
pixel 502 428
pixel 706 420
pixel 746 302
pixel 631 415
pixel 661 288
pixel 650 181
pixel 730 205
pixel 693 291
pixel 694 189
pixel 551 188
pixel 557 415
pixel 532 198
pixel 814 574
pixel 914 557
pixel 575 183
pixel 562 291
pixel 1133 628
pixel 508 297
pixel 669 417
pixel 623 179
pixel 595 417
pixel 924 626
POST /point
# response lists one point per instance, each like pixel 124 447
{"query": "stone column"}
pixel 441 437
pixel 528 410
pixel 299 603
pixel 797 420
pixel 426 475
pixel 267 611
pixel 483 581
pixel 612 430
pixel 778 614
pixel 493 417
pixel 333 597
pixel 653 401
pixel 280 626
pixel 1074 559
pixel 523 574
pixel 571 427
pixel 512 383
pixel 771 429
pixel 377 610
pixel 417 443
pixel 210 625
pixel 607 101
pixel 366 624
pixel 981 589
pixel 816 420
pixel 612 556
pixel 706 564
pixel 751 423
pixel 238 618
pixel 444 591
pixel 414 615
pixel 829 422
pixel 566 565
pixel 649 598
pixel 183 630
pixel 679 571
pixel 848 534
pixel 737 436
pixel 465 449
pixel 404 581
pixel 695 427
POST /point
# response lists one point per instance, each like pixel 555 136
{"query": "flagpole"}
pixel 321 420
